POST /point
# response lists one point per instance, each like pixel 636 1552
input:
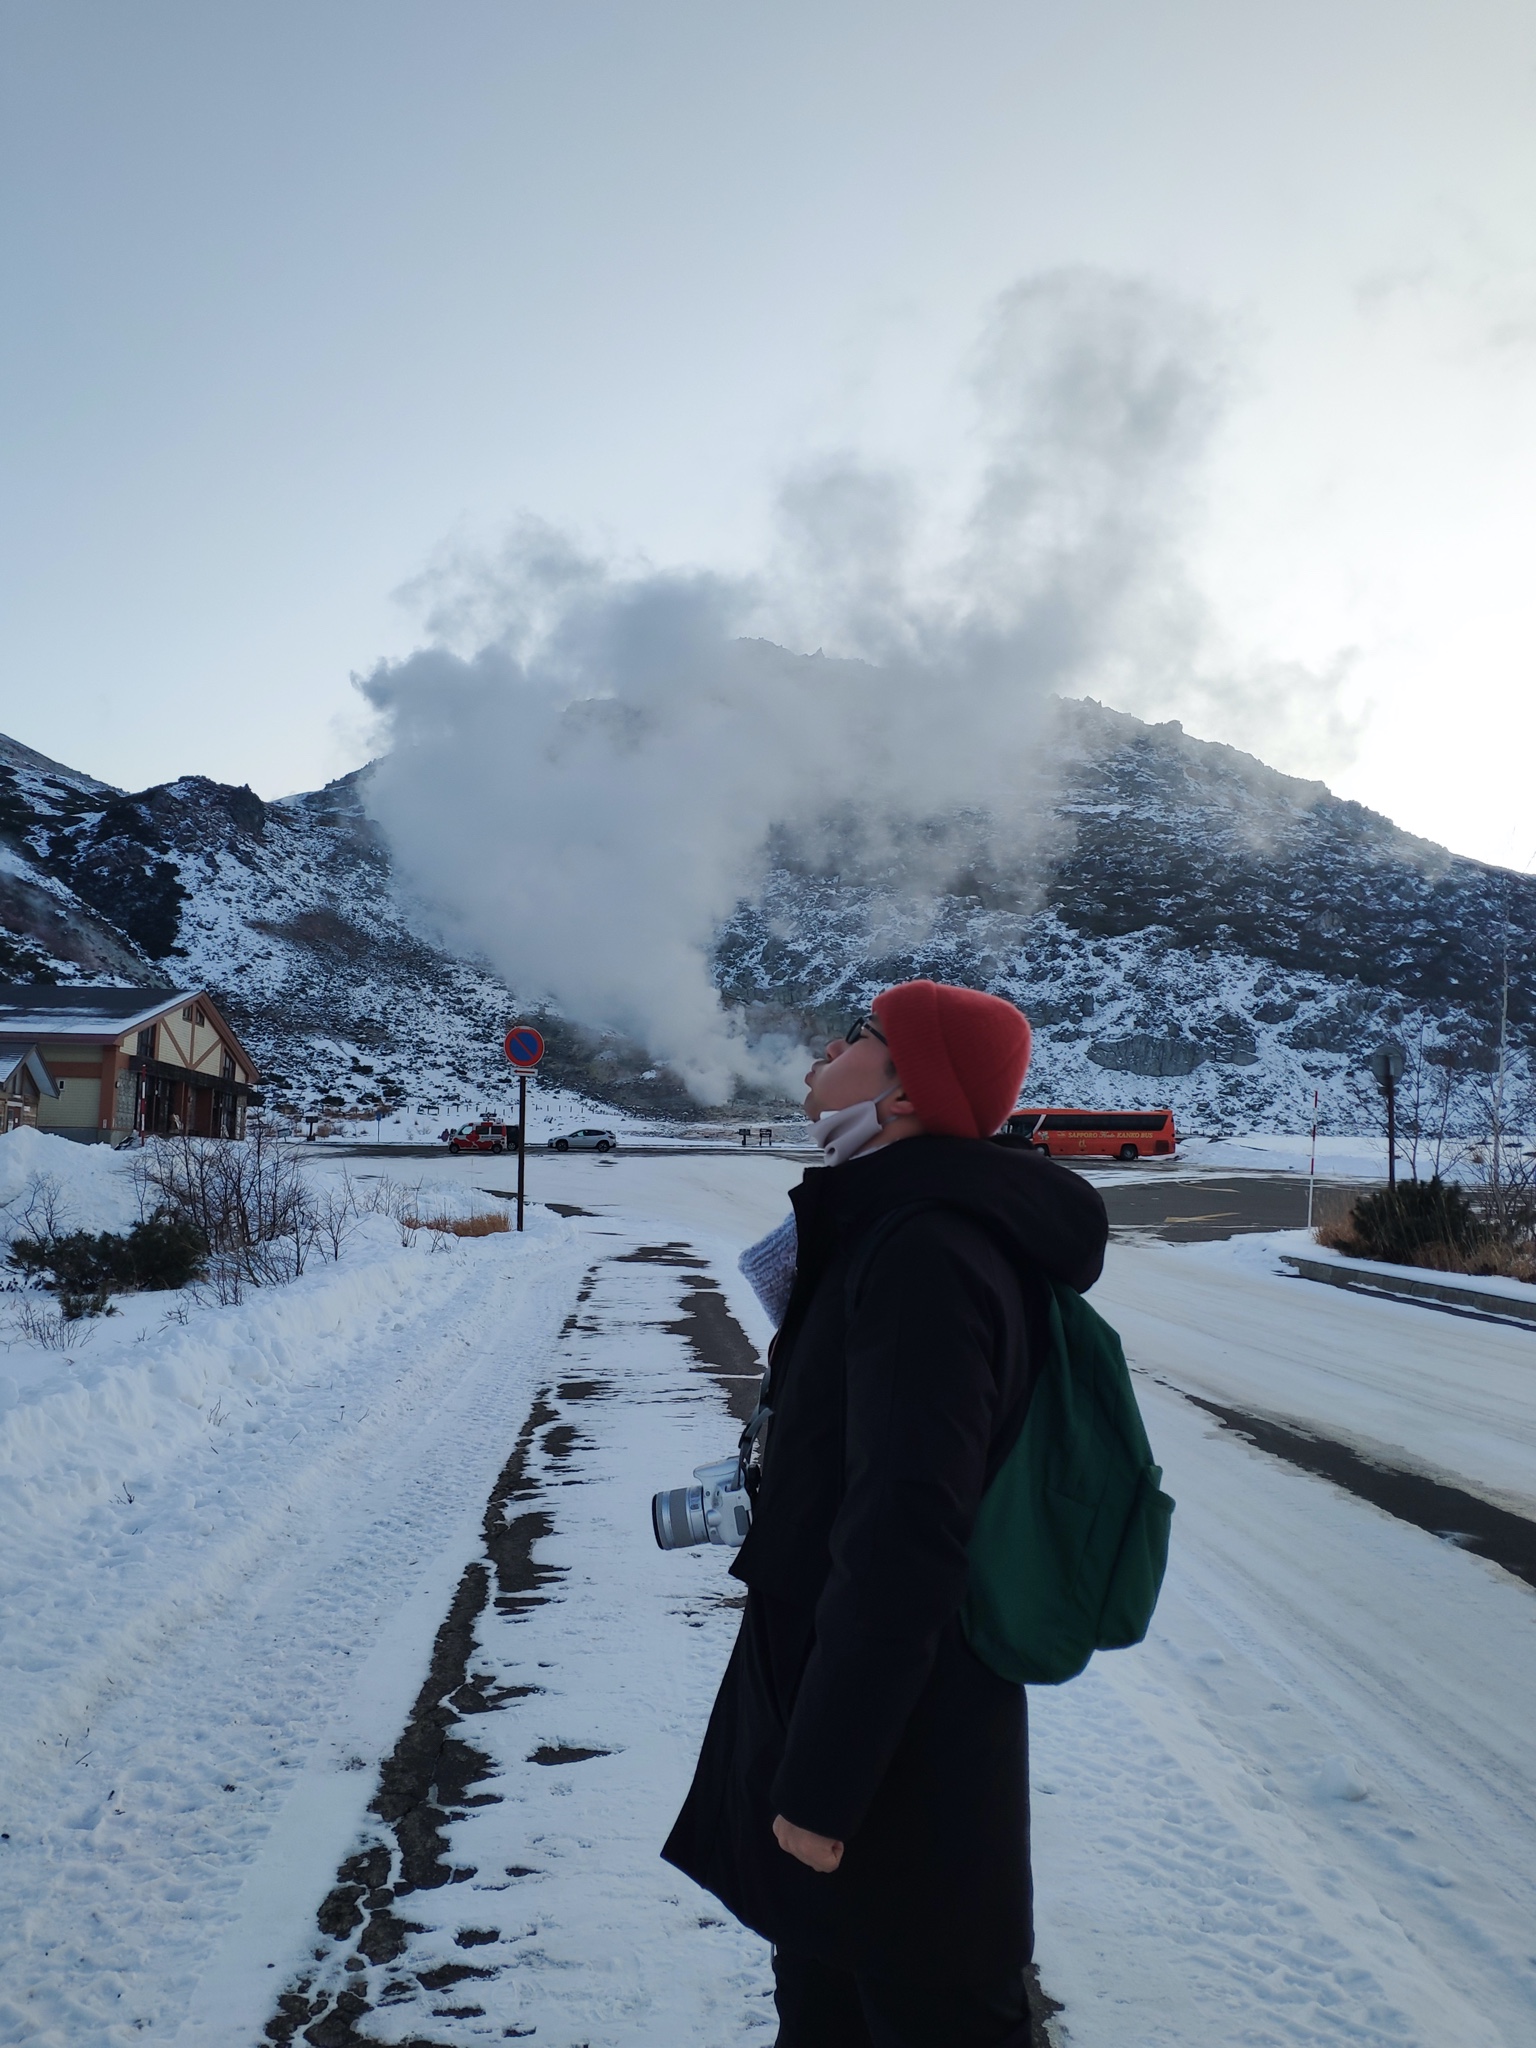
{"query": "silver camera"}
pixel 717 1508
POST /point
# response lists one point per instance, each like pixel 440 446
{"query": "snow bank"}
pixel 1262 1251
pixel 96 1189
pixel 1338 1158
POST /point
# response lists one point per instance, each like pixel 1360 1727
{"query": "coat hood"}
pixel 1051 1219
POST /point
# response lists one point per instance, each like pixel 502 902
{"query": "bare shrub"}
pixel 1507 1262
pixel 336 1213
pixel 250 1200
pixel 1334 1226
pixel 50 1327
pixel 401 1204
pixel 39 1211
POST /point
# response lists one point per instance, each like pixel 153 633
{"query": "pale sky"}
pixel 299 299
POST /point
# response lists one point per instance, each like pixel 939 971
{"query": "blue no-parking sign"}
pixel 523 1046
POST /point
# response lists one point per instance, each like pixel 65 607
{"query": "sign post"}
pixel 524 1048
pixel 1387 1064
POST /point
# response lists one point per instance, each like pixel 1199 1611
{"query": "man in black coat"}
pixel 862 1796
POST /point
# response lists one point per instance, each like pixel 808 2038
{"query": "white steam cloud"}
pixel 584 768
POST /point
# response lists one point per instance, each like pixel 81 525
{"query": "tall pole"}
pixel 522 1140
pixel 1312 1164
pixel 1391 1130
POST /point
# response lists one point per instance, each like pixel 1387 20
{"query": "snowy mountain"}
pixel 1197 929
pixel 1191 927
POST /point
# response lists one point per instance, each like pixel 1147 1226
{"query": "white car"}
pixel 584 1141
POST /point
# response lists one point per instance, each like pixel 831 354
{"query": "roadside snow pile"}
pixel 91 1404
pixel 1267 1252
pixel 211 1517
pixel 94 1185
pixel 105 1419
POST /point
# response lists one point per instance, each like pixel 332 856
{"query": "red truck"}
pixel 485 1136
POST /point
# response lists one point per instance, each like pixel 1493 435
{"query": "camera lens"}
pixel 677 1517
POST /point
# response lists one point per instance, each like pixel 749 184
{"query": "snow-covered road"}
pixel 1303 1812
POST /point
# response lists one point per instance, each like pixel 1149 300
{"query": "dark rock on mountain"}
pixel 1156 1059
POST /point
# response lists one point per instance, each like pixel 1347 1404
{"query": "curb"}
pixel 1500 1308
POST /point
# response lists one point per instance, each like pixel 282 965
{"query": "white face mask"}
pixel 843 1134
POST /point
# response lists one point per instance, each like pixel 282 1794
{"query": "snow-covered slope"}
pixel 1195 929
pixel 1190 927
pixel 286 912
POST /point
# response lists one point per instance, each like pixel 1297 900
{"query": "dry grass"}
pixel 1334 1225
pixel 1483 1261
pixel 1335 1232
pixel 484 1225
pixel 1501 1261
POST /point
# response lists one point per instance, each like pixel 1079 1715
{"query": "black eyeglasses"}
pixel 864 1027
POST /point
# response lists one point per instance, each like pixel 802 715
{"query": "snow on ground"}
pixel 1317 1774
pixel 1339 1157
pixel 1416 1390
pixel 96 1190
pixel 1497 1288
pixel 207 1525
pixel 1301 1813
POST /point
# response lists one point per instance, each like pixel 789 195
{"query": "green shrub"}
pixel 84 1267
pixel 1400 1223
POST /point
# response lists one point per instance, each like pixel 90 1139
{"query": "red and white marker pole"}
pixel 524 1048
pixel 1312 1166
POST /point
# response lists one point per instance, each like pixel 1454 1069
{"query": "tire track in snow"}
pixel 461 1918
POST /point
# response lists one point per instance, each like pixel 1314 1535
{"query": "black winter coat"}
pixel 851 1703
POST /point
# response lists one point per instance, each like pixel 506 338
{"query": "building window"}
pixel 186 1015
pixel 227 1066
pixel 146 1046
pixel 200 1019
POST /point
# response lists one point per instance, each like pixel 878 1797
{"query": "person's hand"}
pixel 816 1852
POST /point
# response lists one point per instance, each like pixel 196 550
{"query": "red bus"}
pixel 1109 1133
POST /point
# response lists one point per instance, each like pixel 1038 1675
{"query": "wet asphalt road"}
pixel 1178 1205
pixel 1185 1211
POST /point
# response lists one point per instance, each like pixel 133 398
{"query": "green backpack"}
pixel 1071 1539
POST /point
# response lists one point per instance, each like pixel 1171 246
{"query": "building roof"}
pixel 35 1010
pixel 95 1016
pixel 18 1052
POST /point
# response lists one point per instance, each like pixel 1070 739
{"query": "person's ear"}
pixel 899 1104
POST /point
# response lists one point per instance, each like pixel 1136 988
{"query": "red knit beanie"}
pixel 961 1055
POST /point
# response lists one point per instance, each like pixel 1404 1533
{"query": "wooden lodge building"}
pixel 154 1061
pixel 24 1081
